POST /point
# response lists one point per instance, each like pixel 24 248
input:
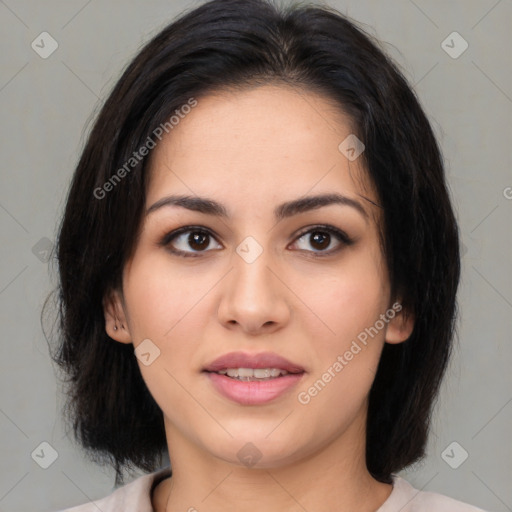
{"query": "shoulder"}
pixel 132 497
pixel 405 498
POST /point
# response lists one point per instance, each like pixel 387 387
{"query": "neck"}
pixel 335 477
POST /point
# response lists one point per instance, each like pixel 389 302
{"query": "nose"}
pixel 253 299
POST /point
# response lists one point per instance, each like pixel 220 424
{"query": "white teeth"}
pixel 253 373
pixel 243 372
pixel 262 373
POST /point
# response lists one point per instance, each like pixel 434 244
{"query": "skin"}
pixel 251 151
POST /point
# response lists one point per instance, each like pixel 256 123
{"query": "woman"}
pixel 258 270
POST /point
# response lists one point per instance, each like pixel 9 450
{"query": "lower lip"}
pixel 253 392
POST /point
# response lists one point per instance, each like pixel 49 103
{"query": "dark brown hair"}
pixel 240 43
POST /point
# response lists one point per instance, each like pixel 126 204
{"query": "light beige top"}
pixel 136 497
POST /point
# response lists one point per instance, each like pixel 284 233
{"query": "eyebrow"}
pixel 284 210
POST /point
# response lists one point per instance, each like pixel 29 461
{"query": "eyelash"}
pixel 342 237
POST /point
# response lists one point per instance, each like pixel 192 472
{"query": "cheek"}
pixel 349 300
pixel 168 308
pixel 162 298
pixel 172 309
pixel 347 354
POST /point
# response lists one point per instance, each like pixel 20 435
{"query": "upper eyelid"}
pixel 170 236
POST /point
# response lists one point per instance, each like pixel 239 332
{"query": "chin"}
pixel 256 449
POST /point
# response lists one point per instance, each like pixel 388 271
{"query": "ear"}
pixel 399 327
pixel 116 325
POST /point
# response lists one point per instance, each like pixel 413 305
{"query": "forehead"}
pixel 269 141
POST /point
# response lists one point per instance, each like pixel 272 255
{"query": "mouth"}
pixel 253 374
pixel 265 365
pixel 253 379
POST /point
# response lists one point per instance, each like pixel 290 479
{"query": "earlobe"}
pixel 400 327
pixel 116 325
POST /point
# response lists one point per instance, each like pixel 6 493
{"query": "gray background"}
pixel 47 106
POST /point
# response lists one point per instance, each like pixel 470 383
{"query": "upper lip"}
pixel 261 360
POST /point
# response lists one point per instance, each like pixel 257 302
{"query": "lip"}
pixel 253 392
pixel 261 360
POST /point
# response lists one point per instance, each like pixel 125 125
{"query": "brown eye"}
pixel 322 239
pixel 190 241
pixel 198 241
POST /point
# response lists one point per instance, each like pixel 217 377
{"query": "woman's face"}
pixel 255 268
